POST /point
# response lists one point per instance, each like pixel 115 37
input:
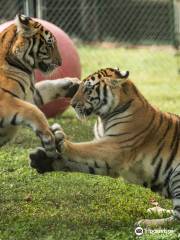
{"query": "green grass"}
pixel 72 206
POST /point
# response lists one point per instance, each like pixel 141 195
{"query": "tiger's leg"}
pixel 174 190
pixel 21 112
pixel 42 163
pixel 48 90
pixel 89 157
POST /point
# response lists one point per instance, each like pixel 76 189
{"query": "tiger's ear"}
pixel 23 25
pixel 122 74
pixel 122 77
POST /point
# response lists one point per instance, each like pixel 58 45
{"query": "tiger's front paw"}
pixel 40 161
pixel 71 86
pixel 66 87
pixel 59 136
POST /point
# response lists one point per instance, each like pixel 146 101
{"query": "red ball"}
pixel 71 66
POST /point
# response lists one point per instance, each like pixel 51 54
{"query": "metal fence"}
pixel 136 22
pixel 108 26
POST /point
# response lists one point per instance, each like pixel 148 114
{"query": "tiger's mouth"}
pixel 47 68
pixel 83 113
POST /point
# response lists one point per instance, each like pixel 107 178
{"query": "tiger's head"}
pixel 32 46
pixel 100 93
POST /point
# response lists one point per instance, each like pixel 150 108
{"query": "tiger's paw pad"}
pixel 40 161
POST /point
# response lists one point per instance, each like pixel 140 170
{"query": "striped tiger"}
pixel 133 139
pixel 24 46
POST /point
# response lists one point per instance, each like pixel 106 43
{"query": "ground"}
pixel 72 206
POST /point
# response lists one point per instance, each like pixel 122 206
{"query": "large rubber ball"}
pixel 71 66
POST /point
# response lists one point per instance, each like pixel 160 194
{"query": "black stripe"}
pixel 166 131
pixel 99 107
pixel 3 36
pixel 92 99
pixel 31 52
pixel 143 131
pixel 176 195
pixel 91 170
pixel 175 169
pixel 161 119
pixel 108 168
pixel 117 123
pixel 176 132
pixel 118 134
pixel 27 49
pixel 175 182
pixel 140 97
pixel 7 91
pixel 175 148
pixel 96 165
pixel 174 190
pixel 36 25
pixel 17 64
pixel 162 139
pixel 118 118
pixel 125 88
pixel 1 123
pixel 157 154
pixel 39 96
pixel 32 88
pixel 103 73
pixel 11 39
pixel 167 182
pixel 176 208
pixel 98 90
pixel 105 94
pixel 120 109
pixel 41 43
pixel 20 84
pixel 13 120
pixel 157 171
pixel 157 128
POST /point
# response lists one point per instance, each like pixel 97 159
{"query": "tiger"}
pixel 27 45
pixel 133 140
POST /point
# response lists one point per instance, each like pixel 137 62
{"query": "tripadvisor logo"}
pixel 139 231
